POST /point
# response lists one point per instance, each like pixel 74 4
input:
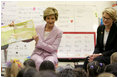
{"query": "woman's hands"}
pixel 36 38
pixel 91 57
pixel 12 24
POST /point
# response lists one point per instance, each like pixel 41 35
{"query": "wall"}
pixel 74 16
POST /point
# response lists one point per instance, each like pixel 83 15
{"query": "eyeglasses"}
pixel 107 19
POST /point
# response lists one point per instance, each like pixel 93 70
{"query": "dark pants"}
pixel 101 59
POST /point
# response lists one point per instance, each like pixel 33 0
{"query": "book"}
pixel 20 31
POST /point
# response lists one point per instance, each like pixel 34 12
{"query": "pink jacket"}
pixel 50 45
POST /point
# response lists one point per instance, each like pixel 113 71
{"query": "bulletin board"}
pixel 76 45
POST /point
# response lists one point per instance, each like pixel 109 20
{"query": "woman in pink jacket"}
pixel 48 39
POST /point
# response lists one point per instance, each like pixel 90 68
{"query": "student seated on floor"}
pixel 94 68
pixel 13 67
pixel 105 74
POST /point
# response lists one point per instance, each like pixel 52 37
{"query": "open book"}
pixel 20 31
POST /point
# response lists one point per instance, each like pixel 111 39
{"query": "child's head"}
pixel 94 68
pixel 21 72
pixel 47 65
pixel 113 58
pixel 111 68
pixel 30 63
pixel 80 72
pixel 46 73
pixel 67 73
pixel 13 67
pixel 105 74
pixel 68 66
pixel 29 72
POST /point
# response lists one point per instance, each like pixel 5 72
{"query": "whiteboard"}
pixel 76 44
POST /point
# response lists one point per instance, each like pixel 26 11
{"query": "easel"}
pixel 5 51
pixel 5 57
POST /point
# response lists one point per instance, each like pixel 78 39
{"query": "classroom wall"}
pixel 74 16
pixel 100 5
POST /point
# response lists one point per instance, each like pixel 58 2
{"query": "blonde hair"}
pixel 113 58
pixel 50 11
pixel 105 74
pixel 111 12
pixel 13 69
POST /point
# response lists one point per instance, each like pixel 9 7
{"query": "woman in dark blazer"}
pixel 106 38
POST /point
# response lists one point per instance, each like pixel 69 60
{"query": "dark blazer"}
pixel 111 44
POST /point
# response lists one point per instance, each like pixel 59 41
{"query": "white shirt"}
pixel 46 34
pixel 105 38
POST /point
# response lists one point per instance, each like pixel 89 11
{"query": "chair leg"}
pixel 5 55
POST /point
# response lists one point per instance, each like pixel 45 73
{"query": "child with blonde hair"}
pixel 13 67
pixel 113 58
pixel 106 74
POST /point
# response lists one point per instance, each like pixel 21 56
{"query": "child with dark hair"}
pixel 20 73
pixel 27 72
pixel 29 62
pixel 80 72
pixel 94 68
pixel 67 73
pixel 46 73
pixel 47 65
pixel 111 68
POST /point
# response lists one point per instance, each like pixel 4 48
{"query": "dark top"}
pixel 111 44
